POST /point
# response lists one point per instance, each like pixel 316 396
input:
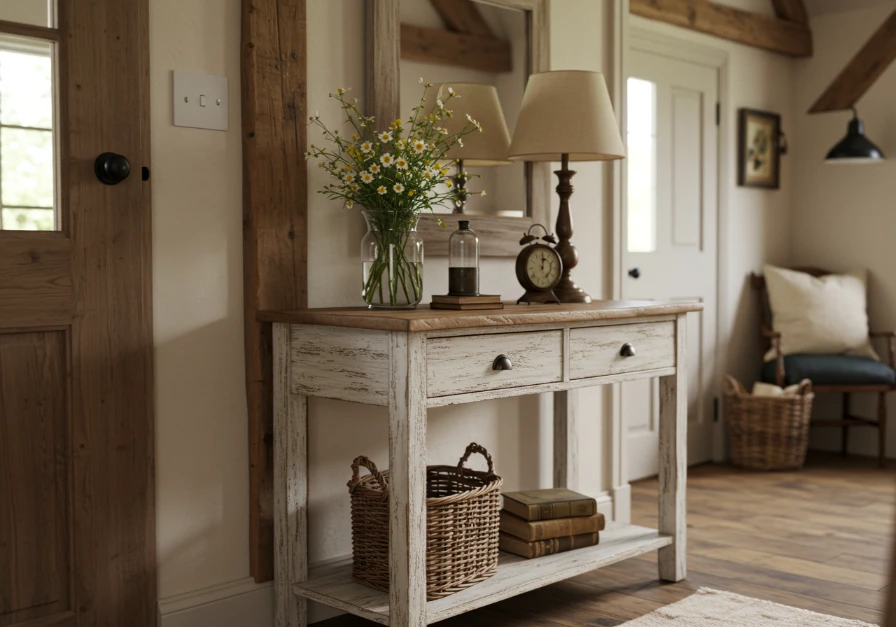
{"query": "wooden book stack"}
pixel 465 303
pixel 535 523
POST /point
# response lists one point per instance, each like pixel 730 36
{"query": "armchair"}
pixel 841 374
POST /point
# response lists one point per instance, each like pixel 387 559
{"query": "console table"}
pixel 411 360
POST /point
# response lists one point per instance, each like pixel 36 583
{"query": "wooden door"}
pixel 77 520
pixel 670 234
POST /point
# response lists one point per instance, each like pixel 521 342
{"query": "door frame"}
pixel 648 38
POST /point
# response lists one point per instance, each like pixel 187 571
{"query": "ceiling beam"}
pixel 860 74
pixel 760 31
pixel 791 10
pixel 433 45
pixel 462 16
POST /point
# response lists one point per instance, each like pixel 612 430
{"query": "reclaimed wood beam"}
pixel 444 47
pixel 862 71
pixel 791 10
pixel 462 16
pixel 275 227
pixel 784 37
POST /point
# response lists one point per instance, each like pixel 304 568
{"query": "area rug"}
pixel 714 608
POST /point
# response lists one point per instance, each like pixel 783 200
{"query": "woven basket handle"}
pixel 735 385
pixel 804 388
pixel 475 448
pixel 371 468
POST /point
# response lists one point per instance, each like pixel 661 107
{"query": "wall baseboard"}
pixel 244 603
pixel 240 603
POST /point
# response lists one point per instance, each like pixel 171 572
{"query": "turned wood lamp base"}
pixel 567 290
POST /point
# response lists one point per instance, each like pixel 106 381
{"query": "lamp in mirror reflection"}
pixel 855 148
pixel 488 148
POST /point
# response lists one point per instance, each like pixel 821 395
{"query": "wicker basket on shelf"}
pixel 462 517
pixel 768 432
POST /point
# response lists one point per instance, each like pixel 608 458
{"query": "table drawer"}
pixel 456 365
pixel 597 351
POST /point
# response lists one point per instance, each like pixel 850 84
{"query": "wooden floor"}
pixel 817 539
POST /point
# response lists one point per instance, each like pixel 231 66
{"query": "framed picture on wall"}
pixel 759 152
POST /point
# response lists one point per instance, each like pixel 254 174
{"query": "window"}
pixel 27 144
pixel 641 143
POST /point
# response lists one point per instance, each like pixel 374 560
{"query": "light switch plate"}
pixel 200 100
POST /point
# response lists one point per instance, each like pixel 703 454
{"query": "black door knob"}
pixel 111 168
pixel 634 273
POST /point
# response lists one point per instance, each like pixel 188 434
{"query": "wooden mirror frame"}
pixel 499 235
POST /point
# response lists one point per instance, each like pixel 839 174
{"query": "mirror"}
pixel 506 70
pixel 493 42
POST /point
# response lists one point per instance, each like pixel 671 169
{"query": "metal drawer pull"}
pixel 502 362
pixel 627 350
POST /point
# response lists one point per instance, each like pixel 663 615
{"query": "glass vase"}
pixel 391 261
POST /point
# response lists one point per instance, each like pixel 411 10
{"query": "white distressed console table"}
pixel 409 361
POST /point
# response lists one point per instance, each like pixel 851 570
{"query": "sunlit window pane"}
pixel 27 220
pixel 641 156
pixel 26 89
pixel 26 160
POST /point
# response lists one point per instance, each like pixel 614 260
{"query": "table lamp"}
pixel 487 148
pixel 566 116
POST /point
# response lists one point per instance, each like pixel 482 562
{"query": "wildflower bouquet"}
pixel 395 174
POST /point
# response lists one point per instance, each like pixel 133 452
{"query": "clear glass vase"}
pixel 391 261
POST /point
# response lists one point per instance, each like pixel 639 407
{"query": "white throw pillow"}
pixel 822 316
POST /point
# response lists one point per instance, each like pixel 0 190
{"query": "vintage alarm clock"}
pixel 538 268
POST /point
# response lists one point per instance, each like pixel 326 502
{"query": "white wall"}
pixel 202 463
pixel 845 216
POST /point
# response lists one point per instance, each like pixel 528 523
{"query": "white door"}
pixel 669 234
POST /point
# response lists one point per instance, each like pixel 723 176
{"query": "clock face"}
pixel 543 267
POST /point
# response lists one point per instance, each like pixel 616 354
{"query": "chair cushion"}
pixel 831 370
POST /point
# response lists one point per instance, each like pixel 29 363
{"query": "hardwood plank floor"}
pixel 818 539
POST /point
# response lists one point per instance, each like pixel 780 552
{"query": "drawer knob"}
pixel 502 362
pixel 627 350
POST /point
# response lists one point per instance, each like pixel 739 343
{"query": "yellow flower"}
pixel 349 204
pixel 411 194
pixel 381 190
pixel 355 187
pixel 398 122
pixel 355 137
pixel 448 183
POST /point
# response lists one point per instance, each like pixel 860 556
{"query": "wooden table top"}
pixel 425 319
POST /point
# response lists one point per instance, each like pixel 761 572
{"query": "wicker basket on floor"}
pixel 768 432
pixel 462 517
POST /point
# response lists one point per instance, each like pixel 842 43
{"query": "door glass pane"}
pixel 641 158
pixel 27 142
pixel 34 12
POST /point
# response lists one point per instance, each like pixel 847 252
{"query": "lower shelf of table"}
pixel 333 584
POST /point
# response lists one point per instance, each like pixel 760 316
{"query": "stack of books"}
pixel 464 303
pixel 535 523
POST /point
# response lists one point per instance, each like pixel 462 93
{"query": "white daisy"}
pixel 366 147
pixel 349 204
pixel 355 187
pixel 374 168
pixel 401 163
pixel 440 103
pixel 385 136
pixel 451 91
pixel 381 190
pixel 342 90
pixel 419 146
pixel 366 177
pixel 349 178
pixel 387 160
pixel 398 187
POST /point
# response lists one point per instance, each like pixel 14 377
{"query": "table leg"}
pixel 673 469
pixel 407 487
pixel 566 441
pixel 290 488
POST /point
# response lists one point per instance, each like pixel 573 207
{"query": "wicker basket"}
pixel 462 517
pixel 768 432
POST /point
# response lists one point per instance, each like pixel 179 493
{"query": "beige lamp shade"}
pixel 568 112
pixel 481 102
